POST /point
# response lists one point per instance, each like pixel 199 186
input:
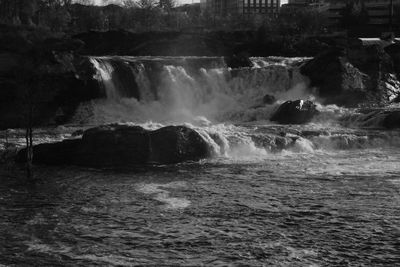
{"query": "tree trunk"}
pixel 29 145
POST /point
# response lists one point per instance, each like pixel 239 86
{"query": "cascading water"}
pixel 321 194
pixel 194 90
pixel 205 94
pixel 182 89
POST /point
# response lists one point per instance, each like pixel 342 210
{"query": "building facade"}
pixel 293 5
pixel 380 12
pixel 242 7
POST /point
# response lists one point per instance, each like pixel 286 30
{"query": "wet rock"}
pixel 269 99
pixel 337 80
pixel 383 85
pixel 61 81
pixel 357 75
pixel 123 146
pixel 392 120
pixel 77 133
pixel 239 61
pixel 295 112
pixel 377 118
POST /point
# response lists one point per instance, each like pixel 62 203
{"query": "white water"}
pixel 321 194
pixel 225 106
pixel 182 95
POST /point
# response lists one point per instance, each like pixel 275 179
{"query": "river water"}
pixel 330 199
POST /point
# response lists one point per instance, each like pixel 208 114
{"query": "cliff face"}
pixel 356 75
pixel 44 73
pixel 196 44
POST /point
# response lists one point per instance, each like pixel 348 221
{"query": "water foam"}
pixel 202 93
pixel 162 195
pixel 173 91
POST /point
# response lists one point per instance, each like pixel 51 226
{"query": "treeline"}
pixel 164 15
pixel 79 16
pixel 147 15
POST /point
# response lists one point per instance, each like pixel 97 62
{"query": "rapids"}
pixel 321 194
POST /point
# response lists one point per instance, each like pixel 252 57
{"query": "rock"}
pixel 269 99
pixel 376 118
pixel 239 61
pixel 295 112
pixel 123 146
pixel 77 133
pixel 383 85
pixel 394 52
pixel 337 80
pixel 392 120
pixel 361 74
pixel 64 82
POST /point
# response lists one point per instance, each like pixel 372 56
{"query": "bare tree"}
pixel 129 4
pixel 147 4
pixel 26 88
pixel 167 5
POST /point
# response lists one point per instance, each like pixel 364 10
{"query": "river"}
pixel 330 199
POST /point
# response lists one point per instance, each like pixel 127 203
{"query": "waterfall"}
pixel 182 89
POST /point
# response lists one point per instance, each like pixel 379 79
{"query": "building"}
pixel 380 12
pixel 293 5
pixel 242 7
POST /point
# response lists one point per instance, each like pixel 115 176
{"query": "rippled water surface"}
pixel 322 194
pixel 287 209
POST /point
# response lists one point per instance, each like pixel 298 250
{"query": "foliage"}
pixel 150 15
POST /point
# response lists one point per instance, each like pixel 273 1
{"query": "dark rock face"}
pixel 295 112
pixel 46 69
pixel 269 99
pixel 239 61
pixel 378 118
pixel 392 120
pixel 394 52
pixel 357 75
pixel 337 80
pixel 123 146
pixel 383 85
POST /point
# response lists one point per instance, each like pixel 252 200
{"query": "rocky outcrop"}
pixel 353 76
pixel 45 73
pixel 269 99
pixel 392 120
pixel 238 61
pixel 123 146
pixel 378 118
pixel 336 79
pixel 383 85
pixel 295 112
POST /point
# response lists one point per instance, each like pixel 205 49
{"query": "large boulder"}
pixel 378 118
pixel 269 99
pixel 123 146
pixel 336 79
pixel 383 85
pixel 295 112
pixel 360 74
pixel 48 70
pixel 392 120
pixel 238 61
